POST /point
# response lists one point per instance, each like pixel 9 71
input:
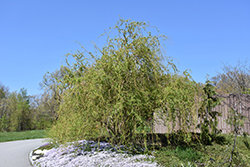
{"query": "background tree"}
pixel 4 93
pixel 20 111
pixel 235 80
pixel 42 108
pixel 53 89
pixel 24 110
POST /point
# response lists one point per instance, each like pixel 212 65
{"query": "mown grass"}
pixel 12 136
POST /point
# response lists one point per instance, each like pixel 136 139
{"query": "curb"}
pixel 32 162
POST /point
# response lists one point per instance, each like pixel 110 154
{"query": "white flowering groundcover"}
pixel 89 154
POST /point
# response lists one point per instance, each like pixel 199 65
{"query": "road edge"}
pixel 30 156
pixel 32 162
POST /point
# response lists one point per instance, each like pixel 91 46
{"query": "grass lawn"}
pixel 11 136
pixel 198 155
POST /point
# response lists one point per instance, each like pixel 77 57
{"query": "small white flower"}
pixel 38 152
pixel 41 151
pixel 45 151
pixel 34 157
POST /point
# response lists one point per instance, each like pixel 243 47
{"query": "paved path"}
pixel 15 153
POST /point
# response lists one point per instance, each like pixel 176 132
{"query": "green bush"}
pixel 187 154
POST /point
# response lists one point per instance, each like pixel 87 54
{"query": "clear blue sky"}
pixel 35 34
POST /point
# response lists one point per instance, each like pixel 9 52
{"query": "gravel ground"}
pixel 88 154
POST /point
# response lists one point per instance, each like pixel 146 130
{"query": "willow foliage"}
pixel 129 79
pixel 179 106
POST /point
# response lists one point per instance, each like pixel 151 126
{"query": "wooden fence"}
pixel 239 102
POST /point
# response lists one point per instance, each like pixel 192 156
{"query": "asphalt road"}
pixel 15 153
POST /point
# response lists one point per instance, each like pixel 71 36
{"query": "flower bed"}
pixel 88 153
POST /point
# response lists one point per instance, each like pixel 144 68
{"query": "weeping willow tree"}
pixel 178 111
pixel 130 78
